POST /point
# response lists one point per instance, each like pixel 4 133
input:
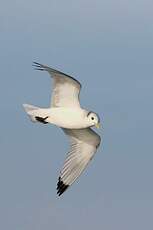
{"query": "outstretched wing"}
pixel 84 143
pixel 66 89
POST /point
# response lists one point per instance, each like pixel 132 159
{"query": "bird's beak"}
pixel 97 125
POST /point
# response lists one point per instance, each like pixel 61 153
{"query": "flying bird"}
pixel 65 112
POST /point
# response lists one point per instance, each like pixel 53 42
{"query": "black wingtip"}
pixel 36 63
pixel 37 66
pixel 61 187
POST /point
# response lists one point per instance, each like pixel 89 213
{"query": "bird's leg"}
pixel 41 119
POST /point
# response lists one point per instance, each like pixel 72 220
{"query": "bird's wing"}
pixel 84 143
pixel 66 89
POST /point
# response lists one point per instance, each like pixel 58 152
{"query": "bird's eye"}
pixel 92 118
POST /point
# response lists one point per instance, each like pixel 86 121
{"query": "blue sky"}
pixel 108 47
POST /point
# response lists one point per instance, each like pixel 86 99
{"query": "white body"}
pixel 70 118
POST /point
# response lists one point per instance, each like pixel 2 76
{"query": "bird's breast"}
pixel 70 118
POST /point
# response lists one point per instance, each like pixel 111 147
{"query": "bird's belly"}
pixel 67 118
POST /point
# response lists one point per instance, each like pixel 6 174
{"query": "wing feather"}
pixel 84 143
pixel 66 89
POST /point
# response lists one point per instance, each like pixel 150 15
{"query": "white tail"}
pixel 36 114
pixel 32 111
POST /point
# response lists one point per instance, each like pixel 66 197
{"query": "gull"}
pixel 65 112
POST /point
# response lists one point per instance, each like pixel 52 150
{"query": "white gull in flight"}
pixel 65 112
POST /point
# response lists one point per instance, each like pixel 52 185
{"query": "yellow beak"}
pixel 97 125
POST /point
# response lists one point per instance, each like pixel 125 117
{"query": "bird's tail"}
pixel 32 111
pixel 36 114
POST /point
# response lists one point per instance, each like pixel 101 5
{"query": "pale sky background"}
pixel 108 46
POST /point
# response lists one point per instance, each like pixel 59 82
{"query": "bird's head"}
pixel 93 119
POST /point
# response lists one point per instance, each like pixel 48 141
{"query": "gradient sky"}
pixel 108 46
